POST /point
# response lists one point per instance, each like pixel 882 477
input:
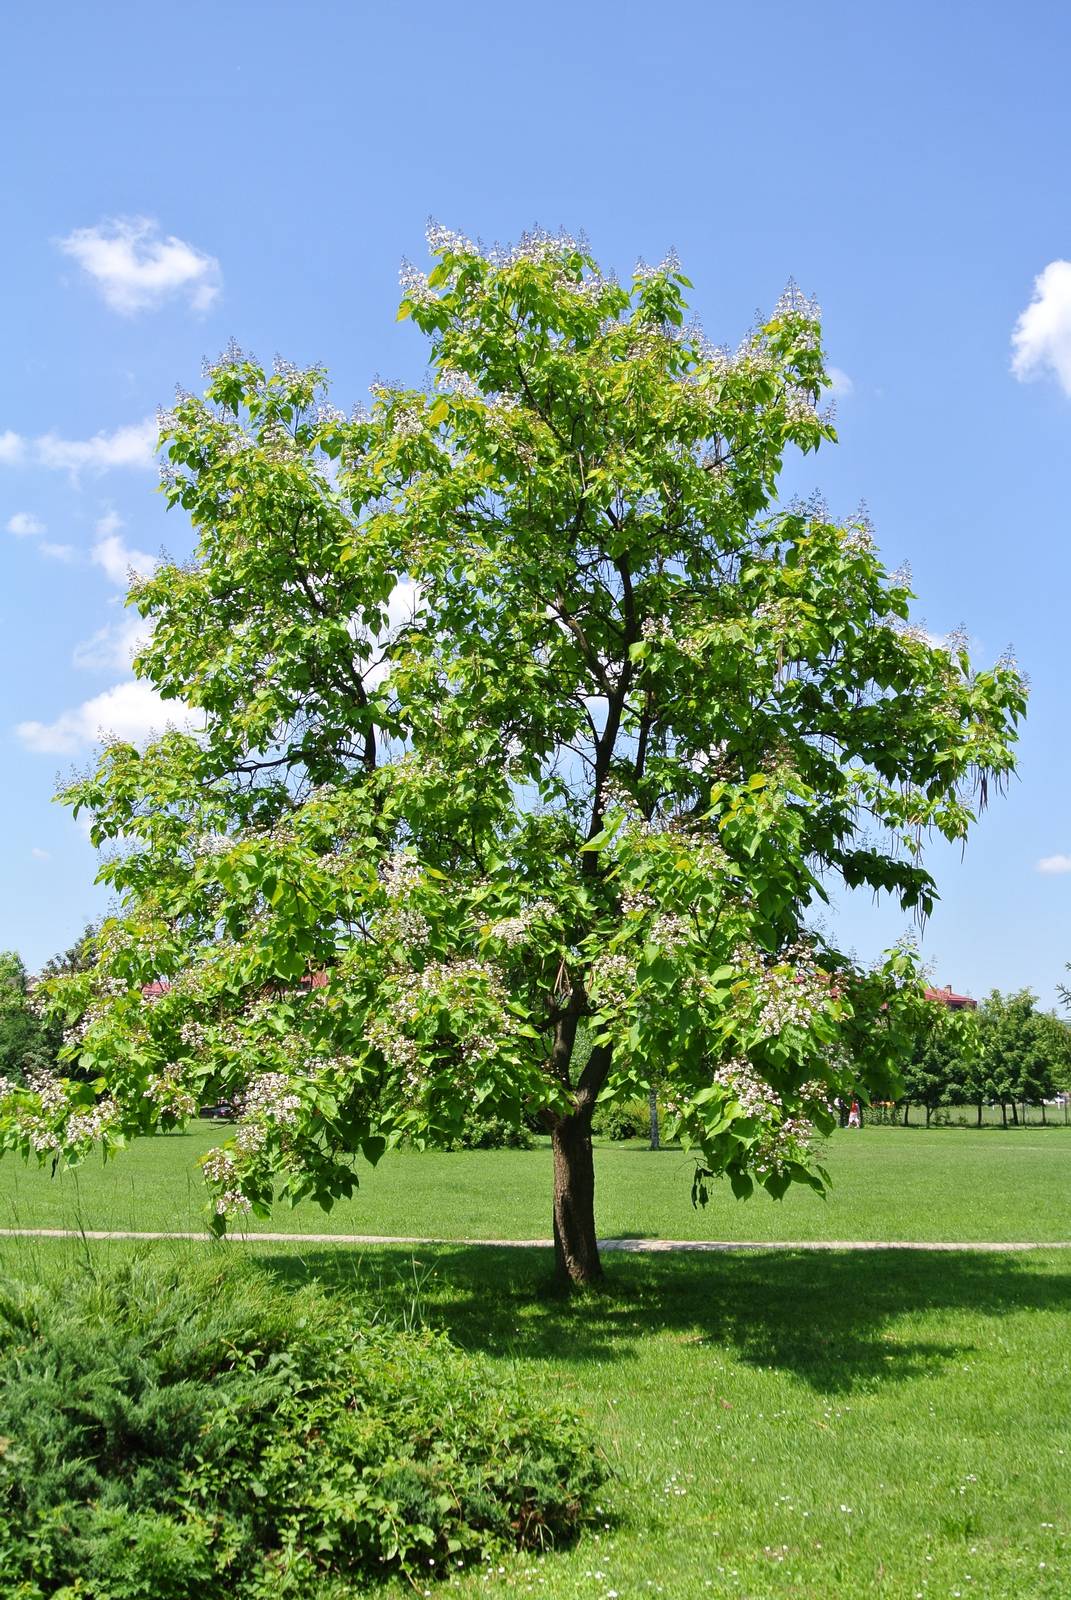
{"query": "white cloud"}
pixel 133 445
pixel 842 384
pixel 137 268
pixel 114 645
pixel 131 710
pixel 40 855
pixel 12 448
pixel 1042 338
pixel 403 606
pixel 1054 864
pixel 24 525
pixel 119 560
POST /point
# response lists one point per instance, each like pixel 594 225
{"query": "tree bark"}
pixel 1015 1115
pixel 576 1247
pixel 652 1105
pixel 907 1111
pixel 979 1124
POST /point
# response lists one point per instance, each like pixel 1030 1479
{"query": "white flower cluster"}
pixel 535 244
pixel 781 1138
pixel 671 932
pixel 453 382
pixel 860 530
pixel 409 928
pixel 446 241
pixel 911 632
pixel 612 980
pixel 250 1138
pixel 221 1169
pixel 636 902
pixel 171 1096
pixel 49 1090
pixel 799 406
pixel 414 284
pixel 755 1096
pixel 386 1035
pixel 8 1087
pixel 193 1035
pixel 792 997
pixel 514 930
pixel 792 302
pixel 443 981
pixel 400 873
pixel 38 1127
pixel 792 990
pixel 231 356
pixel 211 844
pixel 83 1126
pixel 669 263
pixel 815 1094
pixel 271 1097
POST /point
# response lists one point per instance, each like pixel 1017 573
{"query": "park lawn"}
pixel 820 1427
pixel 954 1184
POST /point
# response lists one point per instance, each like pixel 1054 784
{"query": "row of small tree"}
pixel 1006 1053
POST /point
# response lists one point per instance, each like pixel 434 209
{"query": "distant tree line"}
pixel 28 1043
pixel 1006 1054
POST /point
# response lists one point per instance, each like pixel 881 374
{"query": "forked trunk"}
pixel 576 1248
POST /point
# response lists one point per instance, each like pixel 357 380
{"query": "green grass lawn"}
pixel 788 1425
pixel 781 1427
pixel 888 1183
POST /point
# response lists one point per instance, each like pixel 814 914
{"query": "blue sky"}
pixel 908 164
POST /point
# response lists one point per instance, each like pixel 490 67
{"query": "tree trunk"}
pixel 929 1113
pixel 979 1114
pixel 907 1110
pixel 1043 1122
pixel 1015 1115
pixel 576 1248
pixel 1003 1115
pixel 652 1103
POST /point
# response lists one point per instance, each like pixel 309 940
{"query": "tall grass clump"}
pixel 192 1428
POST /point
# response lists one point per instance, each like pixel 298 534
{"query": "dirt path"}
pixel 628 1246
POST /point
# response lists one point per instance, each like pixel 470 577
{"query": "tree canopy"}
pixel 524 712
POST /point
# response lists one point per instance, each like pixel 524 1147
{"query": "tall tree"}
pixel 942 1060
pixel 1017 1051
pixel 27 1045
pixel 523 702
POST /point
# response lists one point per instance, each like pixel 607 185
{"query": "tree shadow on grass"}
pixel 837 1321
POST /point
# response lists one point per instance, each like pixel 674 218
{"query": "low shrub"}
pixel 622 1119
pixel 196 1430
pixel 493 1133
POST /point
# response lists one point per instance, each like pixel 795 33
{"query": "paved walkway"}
pixel 629 1246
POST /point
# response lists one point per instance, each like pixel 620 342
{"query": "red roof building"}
pixel 954 1002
